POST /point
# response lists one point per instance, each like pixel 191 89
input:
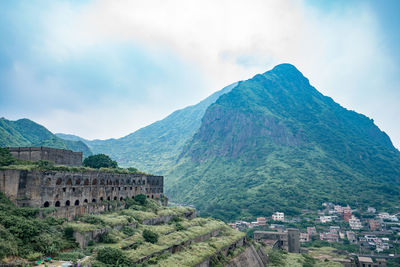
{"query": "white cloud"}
pixel 340 51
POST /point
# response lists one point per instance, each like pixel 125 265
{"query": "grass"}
pixel 82 227
pixel 198 252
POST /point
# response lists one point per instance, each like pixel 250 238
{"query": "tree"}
pixel 150 236
pixel 100 161
pixel 141 199
pixel 5 157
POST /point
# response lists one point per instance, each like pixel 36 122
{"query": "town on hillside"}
pixel 357 237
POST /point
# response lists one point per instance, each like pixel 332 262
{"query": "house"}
pixel 347 215
pixel 304 237
pixel 351 236
pixel 261 220
pixel 325 219
pixel 355 223
pixel 311 231
pixel 371 210
pixel 278 216
pixel 329 236
pixel 374 225
pixel 334 229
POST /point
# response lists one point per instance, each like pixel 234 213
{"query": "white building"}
pixel 278 216
pixel 325 219
pixel 355 223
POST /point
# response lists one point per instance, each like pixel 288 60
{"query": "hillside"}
pixel 274 143
pixel 25 132
pixel 141 234
pixel 155 148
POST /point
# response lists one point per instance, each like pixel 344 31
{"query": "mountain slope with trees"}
pixel 155 148
pixel 274 143
pixel 25 132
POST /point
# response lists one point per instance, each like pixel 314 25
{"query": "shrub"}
pixel 33 256
pixel 113 256
pixel 99 161
pixel 150 236
pixel 70 256
pixel 92 219
pixel 5 157
pixel 141 199
pixel 129 231
pixel 107 238
pixel 179 227
pixel 69 233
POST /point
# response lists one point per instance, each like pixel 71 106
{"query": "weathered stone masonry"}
pixel 58 156
pixel 64 189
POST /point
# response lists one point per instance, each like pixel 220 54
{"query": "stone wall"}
pixel 75 189
pixel 58 156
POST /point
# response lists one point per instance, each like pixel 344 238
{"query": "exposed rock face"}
pixel 276 137
pixel 250 257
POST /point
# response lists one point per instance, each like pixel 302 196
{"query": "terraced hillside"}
pixel 138 232
pixel 182 239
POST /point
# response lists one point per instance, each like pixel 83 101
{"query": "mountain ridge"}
pixel 275 135
pixel 156 147
pixel 24 132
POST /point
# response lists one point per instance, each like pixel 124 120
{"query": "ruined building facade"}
pixel 58 156
pixel 72 193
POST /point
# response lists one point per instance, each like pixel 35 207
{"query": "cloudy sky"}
pixel 102 69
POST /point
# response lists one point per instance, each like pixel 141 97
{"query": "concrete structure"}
pixel 278 216
pixel 261 221
pixel 58 156
pixel 347 215
pixel 288 240
pixel 69 189
pixel 374 225
pixel 355 223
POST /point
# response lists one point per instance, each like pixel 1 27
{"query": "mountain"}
pixel 155 148
pixel 25 132
pixel 274 143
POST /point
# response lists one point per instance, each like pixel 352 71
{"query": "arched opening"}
pixel 148 196
pixel 59 181
pixel 102 182
pixel 86 181
pixel 46 204
pixel 77 202
pixel 130 188
pixel 115 198
pixel 69 182
pixel 101 198
pixel 108 198
pixel 133 197
pixel 94 182
pixel 125 188
pixel 67 203
pixel 117 182
pixel 57 204
pixel 121 198
pixel 93 200
pixel 78 181
pixel 86 201
pixel 152 196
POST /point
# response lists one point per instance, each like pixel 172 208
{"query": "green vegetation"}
pixel 24 234
pixel 150 236
pixel 25 132
pixel 99 161
pixel 5 157
pixel 155 148
pixel 275 137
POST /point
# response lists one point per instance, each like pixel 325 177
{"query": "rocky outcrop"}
pixel 249 257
